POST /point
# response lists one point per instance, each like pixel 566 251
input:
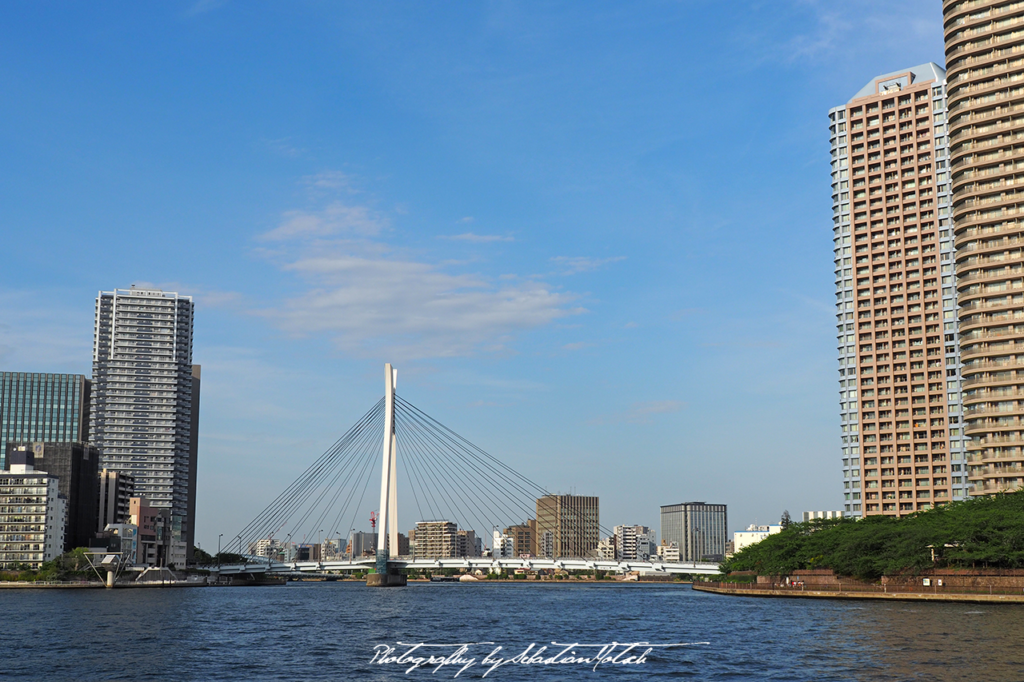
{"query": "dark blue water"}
pixel 327 631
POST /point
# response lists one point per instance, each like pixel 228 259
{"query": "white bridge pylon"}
pixel 387 538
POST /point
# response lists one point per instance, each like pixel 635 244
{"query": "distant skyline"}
pixel 595 240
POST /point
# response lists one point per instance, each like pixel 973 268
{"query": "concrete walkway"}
pixel 836 594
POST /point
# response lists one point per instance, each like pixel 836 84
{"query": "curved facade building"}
pixel 985 89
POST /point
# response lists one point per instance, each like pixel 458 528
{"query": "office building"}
pixel 75 466
pixel 986 120
pixel 362 544
pixel 751 536
pixel 697 528
pixel 574 524
pixel 813 515
pixel 606 549
pixel 51 408
pixel 436 540
pixel 145 393
pixel 32 513
pixel 636 543
pixel 524 537
pixel 896 303
pixel 116 489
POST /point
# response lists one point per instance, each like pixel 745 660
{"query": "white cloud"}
pixel 412 309
pixel 476 238
pixel 577 264
pixel 336 219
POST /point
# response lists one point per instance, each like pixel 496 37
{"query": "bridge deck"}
pixel 470 563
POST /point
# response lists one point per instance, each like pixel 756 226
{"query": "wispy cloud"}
pixel 641 413
pixel 576 264
pixel 329 181
pixel 579 345
pixel 476 238
pixel 874 22
pixel 371 299
pixel 413 309
pixel 284 147
pixel 336 219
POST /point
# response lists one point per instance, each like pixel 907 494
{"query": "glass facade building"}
pixel 700 529
pixel 43 408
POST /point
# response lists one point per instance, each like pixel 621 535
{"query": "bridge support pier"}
pixel 386 575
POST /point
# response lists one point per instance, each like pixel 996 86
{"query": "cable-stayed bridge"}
pixel 445 477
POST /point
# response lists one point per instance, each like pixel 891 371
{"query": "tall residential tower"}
pixel 985 61
pixel 896 303
pixel 145 400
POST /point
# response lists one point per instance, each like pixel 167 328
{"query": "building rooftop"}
pixel 924 72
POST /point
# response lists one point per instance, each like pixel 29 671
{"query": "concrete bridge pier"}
pixel 386 575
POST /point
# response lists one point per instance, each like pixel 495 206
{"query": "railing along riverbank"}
pixel 931 592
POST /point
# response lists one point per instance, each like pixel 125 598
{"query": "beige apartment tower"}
pixel 985 62
pixel 896 301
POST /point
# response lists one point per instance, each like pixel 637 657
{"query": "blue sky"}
pixel 594 238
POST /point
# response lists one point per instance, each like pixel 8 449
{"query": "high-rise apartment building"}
pixel 985 62
pixel 699 529
pixel 574 524
pixel 145 400
pixel 43 407
pixel 896 301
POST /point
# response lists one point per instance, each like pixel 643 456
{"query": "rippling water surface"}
pixel 327 631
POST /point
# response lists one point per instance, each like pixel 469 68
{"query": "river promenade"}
pixel 875 592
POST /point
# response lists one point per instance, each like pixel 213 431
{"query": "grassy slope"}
pixel 989 533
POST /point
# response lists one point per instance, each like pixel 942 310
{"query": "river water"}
pixel 328 631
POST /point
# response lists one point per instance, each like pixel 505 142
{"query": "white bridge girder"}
pixel 470 563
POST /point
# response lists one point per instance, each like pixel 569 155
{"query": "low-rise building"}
pixel 606 549
pixel 32 514
pixel 752 535
pixel 155 533
pixel 668 552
